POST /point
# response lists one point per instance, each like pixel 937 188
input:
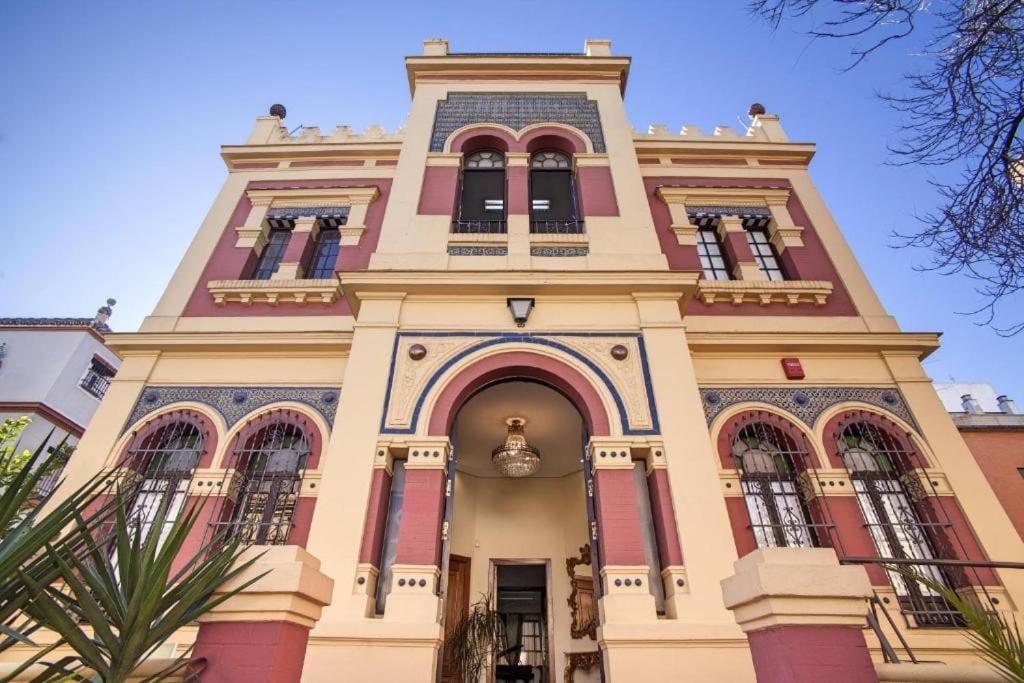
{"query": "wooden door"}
pixel 456 607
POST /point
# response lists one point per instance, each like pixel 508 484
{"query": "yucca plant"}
pixel 997 639
pixel 28 524
pixel 472 642
pixel 120 600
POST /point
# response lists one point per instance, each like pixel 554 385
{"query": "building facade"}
pixel 55 371
pixel 992 426
pixel 731 428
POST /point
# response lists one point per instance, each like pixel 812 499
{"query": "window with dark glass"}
pixel 273 252
pixel 711 259
pixel 97 378
pixel 325 254
pixel 553 207
pixel 270 464
pixel 764 253
pixel 770 461
pixel 482 195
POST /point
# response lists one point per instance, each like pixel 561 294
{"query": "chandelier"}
pixel 515 458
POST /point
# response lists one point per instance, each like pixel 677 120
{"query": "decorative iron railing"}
pixel 563 227
pixel 479 227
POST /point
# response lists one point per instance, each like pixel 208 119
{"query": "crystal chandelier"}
pixel 515 458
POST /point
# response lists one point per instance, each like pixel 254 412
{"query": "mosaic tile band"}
pixel 516 111
pixel 234 403
pixel 806 403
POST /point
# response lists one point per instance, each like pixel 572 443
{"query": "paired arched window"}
pixel 269 459
pixel 880 464
pixel 163 459
pixel 553 204
pixel 482 193
pixel 771 465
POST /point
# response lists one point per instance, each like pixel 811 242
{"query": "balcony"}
pixel 494 227
pixel 572 226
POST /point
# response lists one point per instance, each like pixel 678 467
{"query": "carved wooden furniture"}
pixel 581 598
pixel 579 661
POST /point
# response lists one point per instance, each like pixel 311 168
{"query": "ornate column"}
pixel 625 597
pixel 803 614
pixel 296 254
pixel 673 572
pixel 260 634
pixel 375 526
pixel 734 241
pixel 415 574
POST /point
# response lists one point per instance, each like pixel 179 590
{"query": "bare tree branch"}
pixel 964 111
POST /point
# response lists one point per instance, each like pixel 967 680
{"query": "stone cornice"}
pixel 222 341
pixel 273 291
pixel 764 292
pixel 294 198
pixel 497 67
pixel 359 285
pixel 922 343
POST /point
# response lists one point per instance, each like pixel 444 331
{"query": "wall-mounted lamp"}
pixel 520 310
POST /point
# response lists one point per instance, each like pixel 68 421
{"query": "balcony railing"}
pixel 96 383
pixel 561 227
pixel 479 227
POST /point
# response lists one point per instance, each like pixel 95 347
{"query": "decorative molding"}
pixel 761 207
pixel 764 292
pixel 806 403
pixel 314 198
pixel 274 291
pixel 454 250
pixel 516 111
pixel 558 251
pixel 234 403
pixel 627 381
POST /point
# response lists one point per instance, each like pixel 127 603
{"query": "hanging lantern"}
pixel 515 458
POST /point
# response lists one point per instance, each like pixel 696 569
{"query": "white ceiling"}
pixel 553 425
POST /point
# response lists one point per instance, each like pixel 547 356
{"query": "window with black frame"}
pixel 324 257
pixel 712 260
pixel 482 194
pixel 273 252
pixel 878 464
pixel 771 463
pixel 96 379
pixel 270 464
pixel 553 205
pixel 764 253
pixel 163 463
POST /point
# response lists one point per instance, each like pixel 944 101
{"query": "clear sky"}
pixel 112 114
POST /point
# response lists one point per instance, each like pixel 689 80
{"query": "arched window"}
pixel 771 464
pixel 553 205
pixel 269 458
pixel 880 468
pixel 163 459
pixel 482 195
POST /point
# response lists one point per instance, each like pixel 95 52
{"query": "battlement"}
pixel 762 128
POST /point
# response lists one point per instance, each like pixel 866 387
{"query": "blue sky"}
pixel 112 114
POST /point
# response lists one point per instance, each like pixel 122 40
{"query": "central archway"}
pixel 522 365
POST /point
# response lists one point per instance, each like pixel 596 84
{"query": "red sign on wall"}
pixel 792 368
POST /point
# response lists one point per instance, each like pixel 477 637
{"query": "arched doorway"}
pixel 510 538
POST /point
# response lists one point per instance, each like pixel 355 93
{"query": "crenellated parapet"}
pixel 762 128
pixel 270 131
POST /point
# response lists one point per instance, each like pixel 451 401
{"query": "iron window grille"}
pixel 778 477
pixel 267 467
pixel 764 253
pixel 162 464
pixel 904 517
pixel 273 252
pixel 96 379
pixel 54 464
pixel 712 260
pixel 482 194
pixel 324 258
pixel 553 201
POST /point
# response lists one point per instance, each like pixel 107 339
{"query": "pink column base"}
pixel 811 654
pixel 251 651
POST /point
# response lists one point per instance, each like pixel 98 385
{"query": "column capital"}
pixel 796 587
pixel 428 454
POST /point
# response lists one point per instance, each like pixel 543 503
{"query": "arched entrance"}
pixel 510 538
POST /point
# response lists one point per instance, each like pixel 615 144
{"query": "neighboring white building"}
pixel 55 371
